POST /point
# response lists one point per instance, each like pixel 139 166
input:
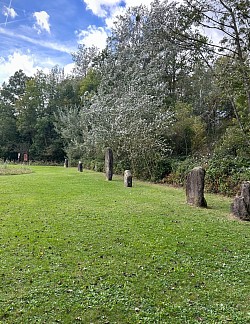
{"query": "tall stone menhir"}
pixel 241 204
pixel 109 164
pixel 195 187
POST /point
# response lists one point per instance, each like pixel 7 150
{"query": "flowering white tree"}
pixel 142 74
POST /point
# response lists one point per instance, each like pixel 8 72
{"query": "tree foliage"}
pixel 161 89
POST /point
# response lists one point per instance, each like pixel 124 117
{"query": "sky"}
pixel 37 34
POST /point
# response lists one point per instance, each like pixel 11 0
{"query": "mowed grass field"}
pixel 77 248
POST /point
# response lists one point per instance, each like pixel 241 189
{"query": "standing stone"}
pixel 79 166
pixel 109 164
pixel 66 163
pixel 241 204
pixel 127 178
pixel 195 187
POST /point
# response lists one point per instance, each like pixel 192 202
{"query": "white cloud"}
pixel 104 8
pixel 108 9
pixel 68 68
pixel 131 3
pixel 17 61
pixel 42 21
pixel 39 42
pixel 9 12
pixel 116 11
pixel 100 7
pixel 96 36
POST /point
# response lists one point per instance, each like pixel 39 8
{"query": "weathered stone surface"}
pixel 80 166
pixel 109 164
pixel 241 204
pixel 127 178
pixel 245 193
pixel 195 187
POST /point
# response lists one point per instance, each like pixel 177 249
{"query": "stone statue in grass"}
pixel 109 164
pixel 127 178
pixel 195 187
pixel 241 204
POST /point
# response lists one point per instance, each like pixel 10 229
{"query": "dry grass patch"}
pixel 6 169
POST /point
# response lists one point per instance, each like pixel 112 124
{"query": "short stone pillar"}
pixel 127 178
pixel 241 204
pixel 79 166
pixel 66 163
pixel 109 164
pixel 195 187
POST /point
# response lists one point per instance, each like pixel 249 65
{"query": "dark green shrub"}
pixel 163 168
pixel 99 166
pixel 225 174
pixel 180 169
pixel 121 166
pixel 94 165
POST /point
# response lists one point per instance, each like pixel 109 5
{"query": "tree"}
pixel 27 112
pixel 10 93
pixel 188 132
pixel 89 84
pixel 230 19
pixel 67 124
pixel 161 86
pixel 141 75
pixel 8 133
pixel 83 59
pixel 34 114
pixel 14 89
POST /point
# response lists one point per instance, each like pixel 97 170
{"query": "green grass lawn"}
pixel 77 248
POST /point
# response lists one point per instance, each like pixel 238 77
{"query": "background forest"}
pixel 163 95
